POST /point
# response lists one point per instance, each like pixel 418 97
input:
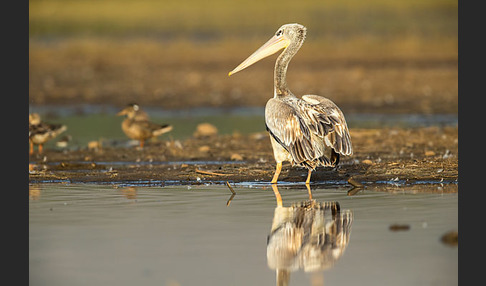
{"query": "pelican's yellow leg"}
pixel 40 149
pixel 308 177
pixel 31 150
pixel 141 143
pixel 309 191
pixel 278 197
pixel 277 172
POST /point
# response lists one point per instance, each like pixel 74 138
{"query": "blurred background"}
pixel 89 59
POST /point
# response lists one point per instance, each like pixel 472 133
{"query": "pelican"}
pixel 301 129
pixel 41 132
pixel 137 126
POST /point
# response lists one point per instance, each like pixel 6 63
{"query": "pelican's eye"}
pixel 279 33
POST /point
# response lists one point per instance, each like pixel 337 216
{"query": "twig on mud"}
pixel 233 194
pixel 209 173
pixel 355 183
pixel 230 188
pixel 357 186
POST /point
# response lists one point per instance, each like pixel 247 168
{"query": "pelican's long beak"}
pixel 122 112
pixel 273 45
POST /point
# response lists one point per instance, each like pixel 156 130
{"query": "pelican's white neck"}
pixel 281 65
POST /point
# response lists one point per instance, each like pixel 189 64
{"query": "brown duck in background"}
pixel 41 132
pixel 138 126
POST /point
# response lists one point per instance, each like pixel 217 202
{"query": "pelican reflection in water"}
pixel 308 235
pixel 301 129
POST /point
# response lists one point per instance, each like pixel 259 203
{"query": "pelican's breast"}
pixel 282 121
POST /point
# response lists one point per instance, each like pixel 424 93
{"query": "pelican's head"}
pixel 287 35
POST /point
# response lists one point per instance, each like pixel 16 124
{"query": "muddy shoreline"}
pixel 397 157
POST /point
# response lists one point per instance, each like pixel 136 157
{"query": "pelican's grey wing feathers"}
pixel 304 127
pixel 327 121
pixel 291 131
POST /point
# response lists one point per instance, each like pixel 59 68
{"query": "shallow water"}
pixel 86 234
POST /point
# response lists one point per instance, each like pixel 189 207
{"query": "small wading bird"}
pixel 300 128
pixel 137 125
pixel 41 132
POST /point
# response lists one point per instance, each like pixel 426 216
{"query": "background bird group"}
pixel 136 125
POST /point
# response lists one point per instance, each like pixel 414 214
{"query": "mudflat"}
pixel 408 156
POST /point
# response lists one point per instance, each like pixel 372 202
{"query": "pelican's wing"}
pixel 325 120
pixel 293 134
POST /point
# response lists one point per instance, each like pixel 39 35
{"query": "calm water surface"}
pixel 84 234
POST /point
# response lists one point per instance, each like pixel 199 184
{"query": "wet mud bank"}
pixel 396 157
